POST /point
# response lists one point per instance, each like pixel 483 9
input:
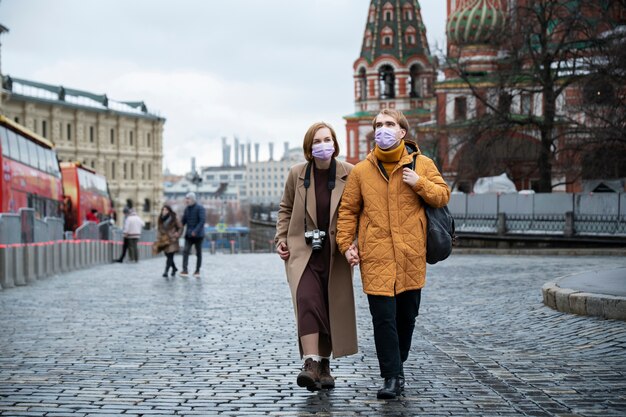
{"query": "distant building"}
pixel 266 180
pixel 395 70
pixel 121 140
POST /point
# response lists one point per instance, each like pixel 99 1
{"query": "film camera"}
pixel 315 238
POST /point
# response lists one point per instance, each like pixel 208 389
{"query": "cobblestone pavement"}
pixel 122 340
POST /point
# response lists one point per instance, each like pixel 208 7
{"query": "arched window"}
pixel 410 36
pixel 387 36
pixel 407 11
pixel 416 81
pixel 146 205
pixel 372 14
pixel 362 84
pixel 388 12
pixel 387 81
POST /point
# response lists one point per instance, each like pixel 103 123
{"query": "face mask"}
pixel 323 151
pixel 385 137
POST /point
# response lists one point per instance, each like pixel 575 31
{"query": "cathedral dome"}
pixel 476 22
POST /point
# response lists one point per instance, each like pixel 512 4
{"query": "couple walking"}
pixel 170 229
pixel 334 216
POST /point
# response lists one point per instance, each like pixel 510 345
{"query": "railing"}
pixel 567 214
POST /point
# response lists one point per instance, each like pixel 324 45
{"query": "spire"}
pixel 394 27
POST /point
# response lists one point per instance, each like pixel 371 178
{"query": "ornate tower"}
pixel 394 70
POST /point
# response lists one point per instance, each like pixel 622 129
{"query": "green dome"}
pixel 476 22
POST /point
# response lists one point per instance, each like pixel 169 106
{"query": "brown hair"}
pixel 397 115
pixel 172 214
pixel 307 145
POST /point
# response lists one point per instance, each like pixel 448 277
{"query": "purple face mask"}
pixel 385 137
pixel 323 151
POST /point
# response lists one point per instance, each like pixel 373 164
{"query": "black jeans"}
pixel 197 243
pixel 124 249
pixel 394 321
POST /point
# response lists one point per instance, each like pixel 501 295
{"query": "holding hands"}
pixel 352 255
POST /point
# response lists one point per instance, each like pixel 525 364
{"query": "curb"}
pixel 583 303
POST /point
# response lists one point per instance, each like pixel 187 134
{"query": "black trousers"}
pixel 394 320
pixel 197 243
pixel 124 249
pixel 169 262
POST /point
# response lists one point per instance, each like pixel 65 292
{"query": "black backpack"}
pixel 440 235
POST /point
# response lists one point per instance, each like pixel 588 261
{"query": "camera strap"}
pixel 307 183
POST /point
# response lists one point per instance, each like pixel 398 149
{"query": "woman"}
pixel 320 279
pixel 169 230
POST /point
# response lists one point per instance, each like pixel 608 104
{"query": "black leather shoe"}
pixel 390 390
pixel 401 382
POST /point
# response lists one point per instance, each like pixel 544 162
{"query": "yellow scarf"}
pixel 389 158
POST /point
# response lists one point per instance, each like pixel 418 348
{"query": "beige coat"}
pixel 290 229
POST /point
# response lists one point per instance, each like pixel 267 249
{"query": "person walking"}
pixel 320 279
pixel 132 231
pixel 193 218
pixel 383 204
pixel 126 212
pixel 169 230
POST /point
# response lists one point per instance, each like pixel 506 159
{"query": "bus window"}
pixel 34 156
pixel 53 164
pixel 13 145
pixel 24 158
pixel 43 160
pixel 4 141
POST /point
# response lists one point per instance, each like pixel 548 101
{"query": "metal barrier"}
pixel 599 214
pixel 41 231
pixel 55 228
pixel 27 224
pixel 148 236
pixel 88 231
pixel 10 229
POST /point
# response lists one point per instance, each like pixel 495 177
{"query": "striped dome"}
pixel 476 22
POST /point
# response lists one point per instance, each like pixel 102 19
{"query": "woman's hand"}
pixel 352 255
pixel 282 250
pixel 409 176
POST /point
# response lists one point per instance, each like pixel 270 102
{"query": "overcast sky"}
pixel 261 70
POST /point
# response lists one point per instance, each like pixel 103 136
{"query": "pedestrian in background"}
pixel 383 204
pixel 132 231
pixel 193 218
pixel 126 211
pixel 319 278
pixel 169 230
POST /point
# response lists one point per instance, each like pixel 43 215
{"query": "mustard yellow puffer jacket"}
pixel 389 218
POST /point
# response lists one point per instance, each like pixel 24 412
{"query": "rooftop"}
pixel 74 98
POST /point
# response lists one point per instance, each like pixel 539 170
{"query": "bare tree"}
pixel 552 49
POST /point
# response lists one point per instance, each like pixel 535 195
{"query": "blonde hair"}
pixel 307 145
pixel 397 115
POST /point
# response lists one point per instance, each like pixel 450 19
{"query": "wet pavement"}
pixel 122 340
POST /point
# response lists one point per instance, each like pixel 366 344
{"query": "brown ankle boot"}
pixel 309 377
pixel 326 379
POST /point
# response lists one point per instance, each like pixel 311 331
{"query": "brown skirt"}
pixel 312 295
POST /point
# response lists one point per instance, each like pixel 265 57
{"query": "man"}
pixel 132 231
pixel 193 218
pixel 126 212
pixel 383 203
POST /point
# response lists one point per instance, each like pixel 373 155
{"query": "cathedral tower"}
pixel 394 70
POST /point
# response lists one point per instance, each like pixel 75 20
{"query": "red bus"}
pixel 30 172
pixel 85 190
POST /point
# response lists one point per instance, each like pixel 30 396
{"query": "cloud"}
pixel 263 71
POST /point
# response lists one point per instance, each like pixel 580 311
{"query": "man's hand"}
pixel 409 176
pixel 352 255
pixel 282 250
